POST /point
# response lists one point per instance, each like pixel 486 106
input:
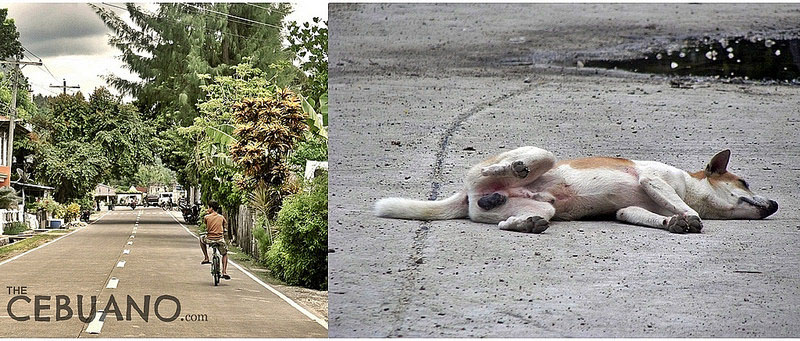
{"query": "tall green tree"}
pixel 9 37
pixel 309 43
pixel 170 49
pixel 78 143
pixel 156 174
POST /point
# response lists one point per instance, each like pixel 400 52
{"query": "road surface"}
pixel 161 259
pixel 419 93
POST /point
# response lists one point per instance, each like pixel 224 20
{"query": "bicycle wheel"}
pixel 215 270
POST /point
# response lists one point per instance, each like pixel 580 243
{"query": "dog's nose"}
pixel 771 208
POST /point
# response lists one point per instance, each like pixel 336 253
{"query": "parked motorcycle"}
pixel 190 213
pixel 85 216
pixel 133 205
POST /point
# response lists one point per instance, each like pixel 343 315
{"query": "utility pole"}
pixel 12 119
pixel 13 113
pixel 65 86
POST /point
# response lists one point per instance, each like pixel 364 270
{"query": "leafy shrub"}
pixel 263 239
pixel 53 208
pixel 71 212
pixel 299 254
pixel 314 149
pixel 15 228
pixel 86 204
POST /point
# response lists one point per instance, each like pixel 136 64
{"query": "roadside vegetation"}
pixel 222 106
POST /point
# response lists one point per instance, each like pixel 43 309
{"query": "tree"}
pixel 170 50
pixel 309 43
pixel 78 143
pixel 74 168
pixel 9 37
pixel 150 175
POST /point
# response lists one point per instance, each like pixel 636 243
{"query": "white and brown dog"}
pixel 523 189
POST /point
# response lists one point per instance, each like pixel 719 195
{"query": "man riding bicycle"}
pixel 215 236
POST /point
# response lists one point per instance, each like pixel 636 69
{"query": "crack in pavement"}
pixel 421 234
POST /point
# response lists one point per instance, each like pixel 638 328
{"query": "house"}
pixel 5 158
pixel 131 195
pixel 105 194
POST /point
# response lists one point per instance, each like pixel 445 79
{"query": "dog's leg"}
pixel 685 219
pixel 640 216
pixel 517 214
pixel 514 168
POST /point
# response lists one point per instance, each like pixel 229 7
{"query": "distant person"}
pixel 215 236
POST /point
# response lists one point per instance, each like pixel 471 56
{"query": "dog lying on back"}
pixel 525 188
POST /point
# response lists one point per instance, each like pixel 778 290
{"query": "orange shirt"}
pixel 214 225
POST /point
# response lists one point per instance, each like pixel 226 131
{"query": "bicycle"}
pixel 216 260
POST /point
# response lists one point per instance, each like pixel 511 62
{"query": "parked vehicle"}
pixel 190 213
pixel 151 200
pixel 85 216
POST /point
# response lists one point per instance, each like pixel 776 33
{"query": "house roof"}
pixel 27 127
pixel 31 185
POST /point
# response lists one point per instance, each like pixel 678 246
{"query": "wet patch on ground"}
pixel 739 58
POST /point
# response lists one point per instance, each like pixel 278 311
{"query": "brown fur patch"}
pixel 715 178
pixel 597 162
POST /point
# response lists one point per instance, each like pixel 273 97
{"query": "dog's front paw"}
pixel 695 224
pixel 681 223
pixel 534 224
pixel 520 169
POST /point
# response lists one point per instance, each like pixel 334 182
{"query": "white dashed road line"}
pixel 97 323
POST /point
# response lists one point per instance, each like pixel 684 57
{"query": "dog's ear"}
pixel 719 163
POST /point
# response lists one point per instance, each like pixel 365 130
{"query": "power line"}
pixel 43 64
pixel 268 9
pixel 233 16
pixel 207 30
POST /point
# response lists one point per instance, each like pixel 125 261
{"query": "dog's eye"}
pixel 744 183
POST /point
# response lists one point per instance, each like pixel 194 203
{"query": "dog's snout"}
pixel 771 208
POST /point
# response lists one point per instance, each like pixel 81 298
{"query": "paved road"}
pixel 419 94
pixel 162 258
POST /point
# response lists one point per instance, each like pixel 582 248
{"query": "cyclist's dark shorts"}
pixel 223 249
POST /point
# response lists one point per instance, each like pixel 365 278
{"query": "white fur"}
pixel 646 193
pixel 450 208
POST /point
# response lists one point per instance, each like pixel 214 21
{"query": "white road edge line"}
pixel 273 290
pixel 50 242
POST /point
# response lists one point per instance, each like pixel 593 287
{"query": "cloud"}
pixel 59 29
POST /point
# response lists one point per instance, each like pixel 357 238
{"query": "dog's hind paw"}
pixel 520 169
pixel 680 223
pixel 488 202
pixel 534 224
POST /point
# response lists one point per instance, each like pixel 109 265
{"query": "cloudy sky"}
pixel 73 42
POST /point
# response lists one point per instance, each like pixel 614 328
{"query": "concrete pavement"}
pixel 419 94
pixel 160 258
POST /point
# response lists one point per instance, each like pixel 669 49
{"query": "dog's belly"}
pixel 581 193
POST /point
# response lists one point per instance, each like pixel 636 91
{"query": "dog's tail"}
pixel 453 207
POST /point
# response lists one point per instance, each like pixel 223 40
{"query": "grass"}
pixel 31 243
